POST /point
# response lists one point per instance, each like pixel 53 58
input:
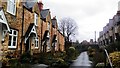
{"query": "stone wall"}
pixel 61 41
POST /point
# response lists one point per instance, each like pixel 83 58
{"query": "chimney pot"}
pixel 40 4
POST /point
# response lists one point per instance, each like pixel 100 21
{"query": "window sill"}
pixel 11 13
pixel 36 47
pixel 12 47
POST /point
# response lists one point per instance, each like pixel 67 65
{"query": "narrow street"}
pixel 82 61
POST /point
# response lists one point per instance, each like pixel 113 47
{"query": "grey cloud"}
pixel 94 11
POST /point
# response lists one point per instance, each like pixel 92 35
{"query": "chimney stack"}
pixel 54 17
pixel 40 4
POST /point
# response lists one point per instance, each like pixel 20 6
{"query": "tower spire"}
pixel 95 37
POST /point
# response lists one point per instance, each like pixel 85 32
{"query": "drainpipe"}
pixel 41 35
pixel 22 30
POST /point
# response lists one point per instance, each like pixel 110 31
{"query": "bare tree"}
pixel 68 27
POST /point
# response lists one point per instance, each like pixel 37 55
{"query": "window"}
pixel 55 46
pixel 48 46
pixel 36 42
pixel 36 19
pixel 56 39
pixel 48 26
pixel 48 35
pixel 13 38
pixel 11 7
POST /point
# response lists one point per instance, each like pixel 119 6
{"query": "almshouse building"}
pixel 23 19
pixel 46 26
pixel 27 27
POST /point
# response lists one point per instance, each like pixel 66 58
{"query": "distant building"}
pixel 85 42
pixel 91 41
pixel 111 32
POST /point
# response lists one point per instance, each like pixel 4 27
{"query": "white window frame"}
pixel 36 42
pixel 56 46
pixel 36 19
pixel 12 36
pixel 11 7
pixel 48 35
pixel 56 38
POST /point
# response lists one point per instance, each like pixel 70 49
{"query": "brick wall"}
pixel 14 22
pixel 61 41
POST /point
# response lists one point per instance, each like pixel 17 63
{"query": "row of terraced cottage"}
pixel 27 27
pixel 111 32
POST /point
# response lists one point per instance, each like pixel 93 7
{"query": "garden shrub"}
pixel 58 62
pixel 4 62
pixel 14 63
pixel 113 47
pixel 115 58
pixel 91 52
pixel 96 55
pixel 71 53
pixel 42 57
pixel 26 58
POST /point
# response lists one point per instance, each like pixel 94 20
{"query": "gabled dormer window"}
pixel 13 39
pixel 36 19
pixel 11 6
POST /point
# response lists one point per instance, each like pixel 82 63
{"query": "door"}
pixel 27 49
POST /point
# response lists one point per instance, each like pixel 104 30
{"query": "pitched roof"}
pixel 44 13
pixel 3 19
pixel 29 29
pixel 29 4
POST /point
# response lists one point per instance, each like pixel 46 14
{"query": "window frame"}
pixel 11 7
pixel 36 42
pixel 12 35
pixel 36 19
pixel 48 46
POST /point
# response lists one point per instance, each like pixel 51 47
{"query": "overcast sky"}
pixel 90 15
